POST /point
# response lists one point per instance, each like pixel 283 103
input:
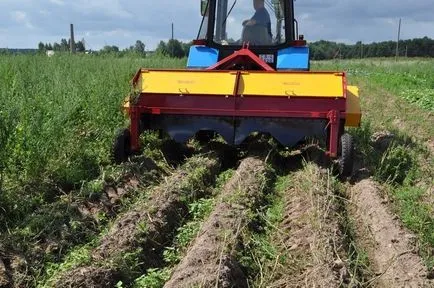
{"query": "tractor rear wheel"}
pixel 346 155
pixel 121 146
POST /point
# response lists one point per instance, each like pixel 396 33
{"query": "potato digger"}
pixel 245 74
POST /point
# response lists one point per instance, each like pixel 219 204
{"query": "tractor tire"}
pixel 346 155
pixel 121 146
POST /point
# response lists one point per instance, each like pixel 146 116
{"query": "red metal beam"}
pixel 254 106
pixel 243 56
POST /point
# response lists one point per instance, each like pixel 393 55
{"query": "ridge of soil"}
pixel 22 262
pixel 308 237
pixel 390 247
pixel 101 278
pixel 148 226
pixel 210 260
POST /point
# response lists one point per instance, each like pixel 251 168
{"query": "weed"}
pixel 395 164
pixel 154 278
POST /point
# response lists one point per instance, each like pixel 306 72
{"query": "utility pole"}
pixel 173 44
pixel 72 42
pixel 361 50
pixel 397 42
pixel 172 32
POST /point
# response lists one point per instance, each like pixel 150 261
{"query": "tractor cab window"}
pixel 257 22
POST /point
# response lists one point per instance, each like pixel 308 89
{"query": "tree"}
pixel 186 48
pixel 64 45
pixel 41 47
pixel 174 48
pixel 110 49
pixel 56 46
pixel 162 48
pixel 139 48
pixel 79 46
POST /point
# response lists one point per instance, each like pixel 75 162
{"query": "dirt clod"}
pixel 382 140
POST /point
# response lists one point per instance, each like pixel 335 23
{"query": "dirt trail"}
pixel 308 237
pixel 390 247
pixel 209 261
pixel 148 226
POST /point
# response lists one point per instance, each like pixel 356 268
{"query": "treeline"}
pixel 172 48
pixel 63 46
pixel 320 50
pixel 418 47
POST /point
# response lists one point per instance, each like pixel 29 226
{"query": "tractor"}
pixel 247 71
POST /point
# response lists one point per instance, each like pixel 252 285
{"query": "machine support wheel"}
pixel 121 146
pixel 346 155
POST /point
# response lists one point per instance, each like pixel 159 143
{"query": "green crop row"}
pixel 412 80
pixel 58 117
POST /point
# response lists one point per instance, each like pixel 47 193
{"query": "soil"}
pixel 109 202
pixel 210 260
pixel 391 248
pixel 100 278
pixel 157 218
pixel 149 225
pixel 308 236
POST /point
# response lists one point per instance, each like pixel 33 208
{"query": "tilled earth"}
pixel 391 248
pixel 210 261
pixel 309 242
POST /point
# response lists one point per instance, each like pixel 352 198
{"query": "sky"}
pixel 25 23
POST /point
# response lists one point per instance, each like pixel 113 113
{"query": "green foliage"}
pixel 79 256
pixel 58 117
pixel 173 48
pixel 224 177
pixel 417 215
pixel 198 210
pixel 154 278
pixel 418 47
pixel 395 164
pixel 412 80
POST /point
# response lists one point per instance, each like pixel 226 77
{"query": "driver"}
pixel 261 17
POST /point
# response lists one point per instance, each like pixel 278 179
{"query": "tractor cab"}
pixel 267 27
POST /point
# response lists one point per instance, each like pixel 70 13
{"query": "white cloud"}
pixel 20 17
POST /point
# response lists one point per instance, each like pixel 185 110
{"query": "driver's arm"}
pixel 250 22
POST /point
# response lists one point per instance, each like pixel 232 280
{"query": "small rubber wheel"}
pixel 346 155
pixel 121 146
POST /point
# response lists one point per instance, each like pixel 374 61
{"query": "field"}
pixel 206 214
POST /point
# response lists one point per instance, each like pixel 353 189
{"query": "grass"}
pixel 413 80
